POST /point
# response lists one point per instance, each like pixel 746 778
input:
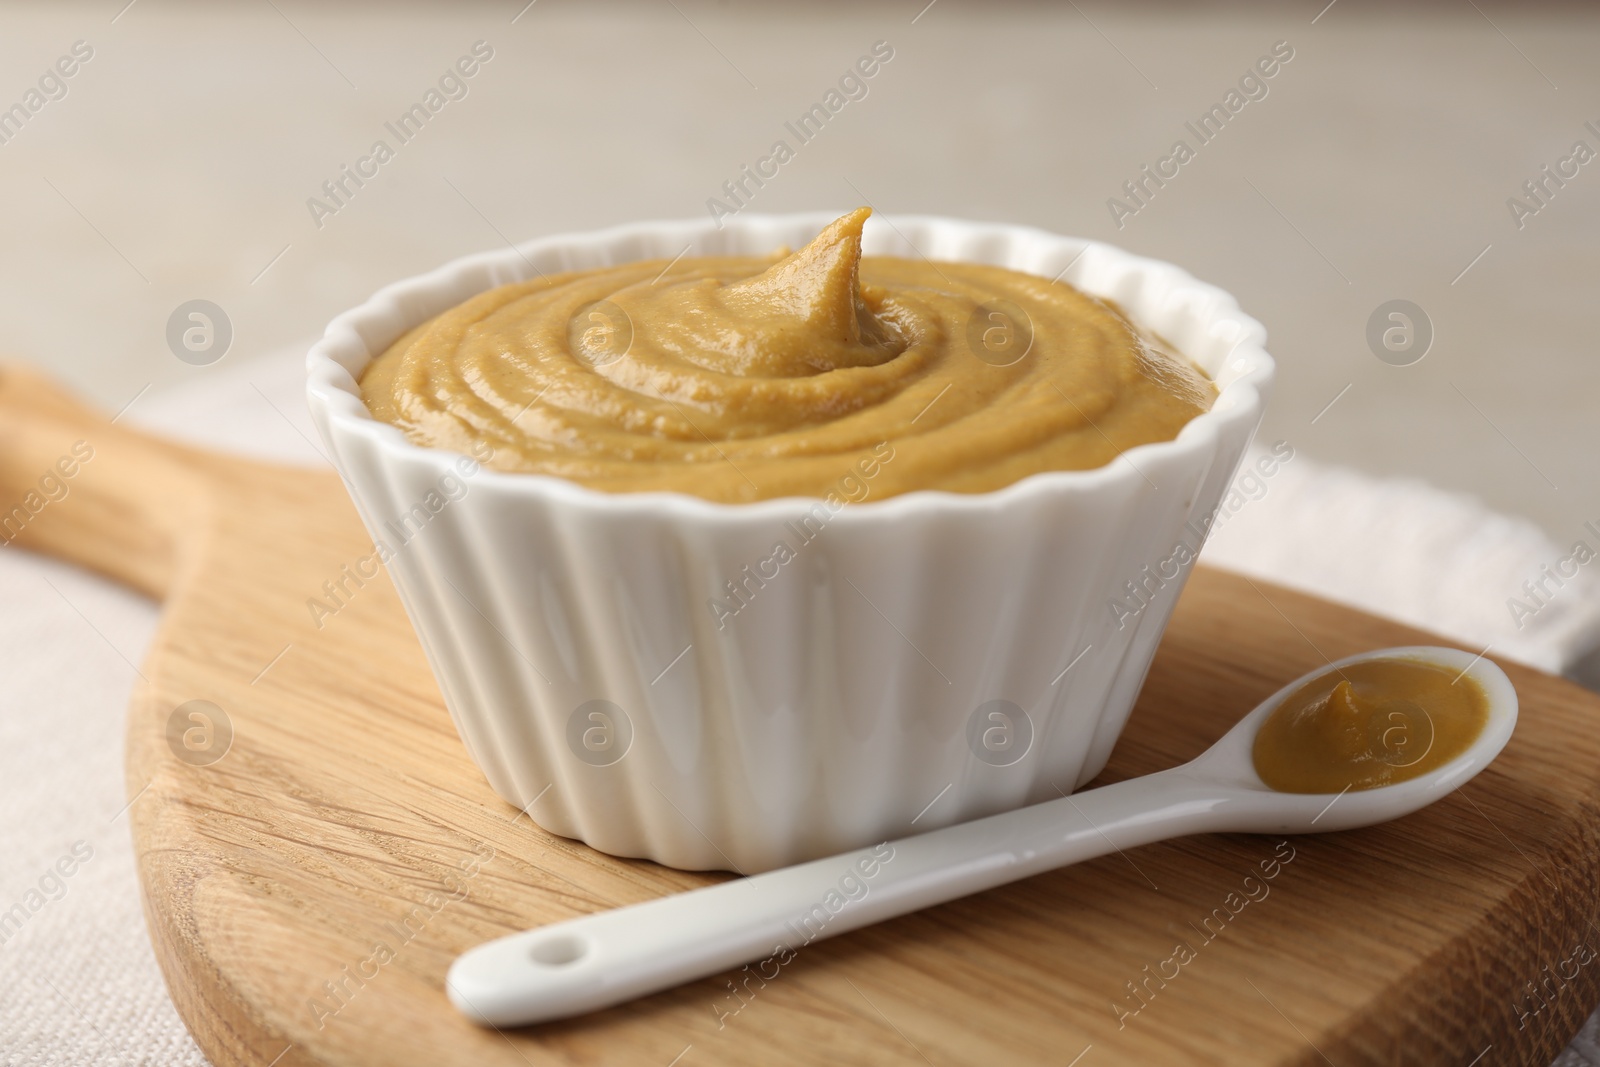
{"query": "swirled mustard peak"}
pixel 819 373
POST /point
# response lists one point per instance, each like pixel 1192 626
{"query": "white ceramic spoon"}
pixel 584 964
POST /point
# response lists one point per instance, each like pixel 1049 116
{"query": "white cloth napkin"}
pixel 1402 548
pixel 80 983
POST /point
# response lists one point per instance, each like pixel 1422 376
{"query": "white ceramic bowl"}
pixel 925 659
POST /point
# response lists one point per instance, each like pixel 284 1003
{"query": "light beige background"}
pixel 1378 167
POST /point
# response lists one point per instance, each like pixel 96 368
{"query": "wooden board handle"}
pixel 76 486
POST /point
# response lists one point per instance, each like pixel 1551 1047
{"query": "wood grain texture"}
pixel 346 814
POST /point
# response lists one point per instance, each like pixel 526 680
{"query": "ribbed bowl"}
pixel 921 660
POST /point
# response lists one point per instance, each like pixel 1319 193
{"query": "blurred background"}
pixel 154 154
pixel 1377 166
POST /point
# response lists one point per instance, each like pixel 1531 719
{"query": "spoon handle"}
pixel 609 957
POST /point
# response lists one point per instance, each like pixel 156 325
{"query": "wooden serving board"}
pixel 344 839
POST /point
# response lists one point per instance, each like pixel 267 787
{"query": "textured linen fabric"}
pixel 1402 548
pixel 78 981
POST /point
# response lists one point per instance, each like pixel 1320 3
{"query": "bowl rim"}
pixel 333 392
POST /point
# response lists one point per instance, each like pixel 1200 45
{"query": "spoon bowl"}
pixel 600 960
pixel 1259 808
